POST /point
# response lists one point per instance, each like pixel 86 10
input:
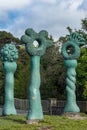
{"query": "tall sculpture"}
pixel 36 45
pixel 9 54
pixel 70 52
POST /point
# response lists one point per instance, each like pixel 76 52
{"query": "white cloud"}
pixel 3 16
pixel 54 17
pixel 74 4
pixel 13 4
pixel 84 5
pixel 49 1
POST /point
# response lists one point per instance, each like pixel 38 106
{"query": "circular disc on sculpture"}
pixel 41 38
pixel 71 49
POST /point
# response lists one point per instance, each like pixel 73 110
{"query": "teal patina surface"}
pixel 70 52
pixel 9 54
pixel 35 52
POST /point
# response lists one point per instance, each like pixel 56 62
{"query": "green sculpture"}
pixel 36 45
pixel 9 54
pixel 70 52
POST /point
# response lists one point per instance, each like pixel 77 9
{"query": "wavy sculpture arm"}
pixel 71 105
pixel 74 42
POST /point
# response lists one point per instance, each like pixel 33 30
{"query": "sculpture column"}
pixel 9 54
pixel 70 52
pixel 36 45
pixel 35 107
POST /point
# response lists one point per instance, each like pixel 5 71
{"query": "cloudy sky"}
pixel 51 15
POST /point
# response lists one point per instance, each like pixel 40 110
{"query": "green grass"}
pixel 49 123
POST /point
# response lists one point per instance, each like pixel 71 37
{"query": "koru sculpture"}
pixel 70 52
pixel 9 54
pixel 36 45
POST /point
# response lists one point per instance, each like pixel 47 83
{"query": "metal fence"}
pixel 50 106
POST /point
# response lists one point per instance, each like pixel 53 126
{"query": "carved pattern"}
pixel 76 38
pixel 71 105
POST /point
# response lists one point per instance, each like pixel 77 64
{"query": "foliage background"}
pixel 53 72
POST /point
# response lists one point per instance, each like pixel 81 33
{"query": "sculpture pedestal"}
pixel 71 114
pixel 34 121
pixel 75 116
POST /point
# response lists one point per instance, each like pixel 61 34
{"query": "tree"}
pixel 53 72
pixel 82 75
pixel 21 77
pixel 7 37
pixel 53 75
pixel 82 65
pixel 84 24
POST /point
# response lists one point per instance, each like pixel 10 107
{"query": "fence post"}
pixel 1 100
pixel 52 102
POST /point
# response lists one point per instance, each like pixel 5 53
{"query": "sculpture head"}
pixel 71 49
pixel 9 53
pixel 36 43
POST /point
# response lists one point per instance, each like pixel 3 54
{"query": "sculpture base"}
pixel 32 121
pixel 71 113
pixel 71 106
pixel 8 111
pixel 75 116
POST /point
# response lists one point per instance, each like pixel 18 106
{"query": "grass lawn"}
pixel 49 123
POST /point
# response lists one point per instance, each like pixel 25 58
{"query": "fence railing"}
pixel 50 106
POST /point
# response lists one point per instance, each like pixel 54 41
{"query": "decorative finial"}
pixel 9 52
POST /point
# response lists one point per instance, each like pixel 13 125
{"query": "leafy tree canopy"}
pixel 53 72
